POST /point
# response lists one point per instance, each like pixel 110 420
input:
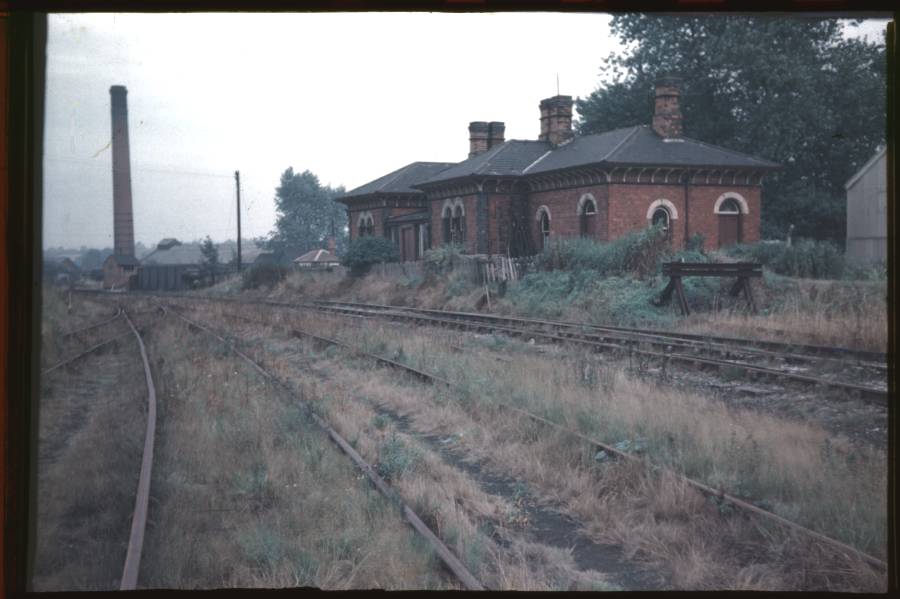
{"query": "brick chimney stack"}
pixel 496 131
pixel 123 216
pixel 556 119
pixel 667 119
pixel 479 135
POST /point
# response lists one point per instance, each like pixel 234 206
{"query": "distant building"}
pixel 118 271
pixel 172 266
pixel 317 259
pixel 867 211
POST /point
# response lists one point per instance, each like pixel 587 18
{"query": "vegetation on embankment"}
pixel 809 293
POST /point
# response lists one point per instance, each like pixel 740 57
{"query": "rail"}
pixel 142 498
pixel 703 488
pixel 447 557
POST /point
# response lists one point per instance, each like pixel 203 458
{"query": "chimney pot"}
pixel 556 119
pixel 479 136
pixel 667 118
pixel 496 131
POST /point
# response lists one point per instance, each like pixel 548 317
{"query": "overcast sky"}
pixel 349 97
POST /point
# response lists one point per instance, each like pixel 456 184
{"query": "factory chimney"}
pixel 123 216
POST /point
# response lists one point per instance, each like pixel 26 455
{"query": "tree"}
pixel 210 257
pixel 791 90
pixel 305 210
pixel 362 253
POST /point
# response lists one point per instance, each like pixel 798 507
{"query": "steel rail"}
pixel 95 325
pixel 480 322
pixel 703 488
pixel 733 344
pixel 880 395
pixel 450 560
pixel 142 498
pixel 89 350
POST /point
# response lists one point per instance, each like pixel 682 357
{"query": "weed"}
pixel 395 458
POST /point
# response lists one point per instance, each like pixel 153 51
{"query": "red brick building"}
pixel 513 197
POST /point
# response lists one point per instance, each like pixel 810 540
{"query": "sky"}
pixel 347 96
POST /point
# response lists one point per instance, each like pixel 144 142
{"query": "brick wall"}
pixel 704 220
pixel 628 205
pixel 563 206
pixel 470 204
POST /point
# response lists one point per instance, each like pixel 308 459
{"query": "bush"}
pixel 807 258
pixel 636 253
pixel 442 258
pixel 362 253
pixel 267 274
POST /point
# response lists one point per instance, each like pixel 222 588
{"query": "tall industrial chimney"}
pixel 123 216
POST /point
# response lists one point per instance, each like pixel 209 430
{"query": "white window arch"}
pixel 544 221
pixel 662 203
pixel 587 204
pixel 731 195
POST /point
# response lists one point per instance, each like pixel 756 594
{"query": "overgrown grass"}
pixel 797 470
pixel 91 422
pixel 249 493
pixel 804 258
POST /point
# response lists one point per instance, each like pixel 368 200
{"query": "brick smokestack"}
pixel 123 217
pixel 479 134
pixel 556 119
pixel 496 131
pixel 667 119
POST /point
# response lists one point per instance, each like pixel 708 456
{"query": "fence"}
pixel 478 269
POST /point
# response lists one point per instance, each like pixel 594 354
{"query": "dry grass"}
pixel 248 493
pixel 839 313
pixel 91 426
pixel 463 515
pixel 791 465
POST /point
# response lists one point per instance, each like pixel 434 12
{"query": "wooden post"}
pixel 682 300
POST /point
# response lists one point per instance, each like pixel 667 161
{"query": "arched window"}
pixel 543 218
pixel 587 217
pixel 366 225
pixel 458 225
pixel 661 217
pixel 729 206
pixel 446 233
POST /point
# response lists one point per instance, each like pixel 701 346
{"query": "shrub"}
pixel 362 253
pixel 695 243
pixel 441 258
pixel 636 253
pixel 807 258
pixel 267 274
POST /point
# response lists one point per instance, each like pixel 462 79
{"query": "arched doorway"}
pixel 729 222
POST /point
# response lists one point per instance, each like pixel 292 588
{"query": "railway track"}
pixel 718 494
pixel 742 357
pixel 828 371
pixel 142 498
pixel 451 561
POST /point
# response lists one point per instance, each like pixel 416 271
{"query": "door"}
pixel 407 244
pixel 729 229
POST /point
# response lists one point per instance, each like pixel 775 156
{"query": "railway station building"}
pixel 513 197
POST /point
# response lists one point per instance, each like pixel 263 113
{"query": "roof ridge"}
pixel 729 150
pixel 618 146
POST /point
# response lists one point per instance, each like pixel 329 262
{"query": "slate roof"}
pixel 508 159
pixel 638 146
pixel 400 180
pixel 188 253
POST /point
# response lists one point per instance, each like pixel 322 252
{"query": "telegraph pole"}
pixel 237 183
